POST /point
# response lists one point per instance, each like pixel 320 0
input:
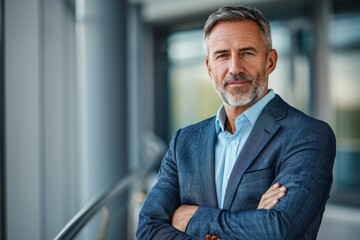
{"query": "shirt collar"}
pixel 252 114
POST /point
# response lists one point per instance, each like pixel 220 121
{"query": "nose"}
pixel 236 65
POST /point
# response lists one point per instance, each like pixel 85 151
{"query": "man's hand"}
pixel 271 197
pixel 182 216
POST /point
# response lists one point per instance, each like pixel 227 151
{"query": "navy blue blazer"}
pixel 285 146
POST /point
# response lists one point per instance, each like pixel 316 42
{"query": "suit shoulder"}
pixel 300 117
pixel 302 123
pixel 289 116
pixel 199 125
pixel 185 137
pixel 192 131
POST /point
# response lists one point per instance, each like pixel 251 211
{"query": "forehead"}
pixel 238 32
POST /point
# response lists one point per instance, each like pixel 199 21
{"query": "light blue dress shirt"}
pixel 228 146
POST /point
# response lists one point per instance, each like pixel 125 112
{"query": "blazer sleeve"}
pixel 161 203
pixel 305 168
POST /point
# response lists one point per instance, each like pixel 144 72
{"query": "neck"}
pixel 231 115
pixel 233 111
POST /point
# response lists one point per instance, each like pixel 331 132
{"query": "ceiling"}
pixel 164 10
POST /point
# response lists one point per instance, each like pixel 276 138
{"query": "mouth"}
pixel 239 82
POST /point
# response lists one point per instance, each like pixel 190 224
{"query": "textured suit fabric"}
pixel 285 146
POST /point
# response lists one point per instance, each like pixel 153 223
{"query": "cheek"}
pixel 217 80
pixel 219 71
pixel 254 68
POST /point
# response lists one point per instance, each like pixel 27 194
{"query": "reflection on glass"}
pixel 192 94
pixel 345 86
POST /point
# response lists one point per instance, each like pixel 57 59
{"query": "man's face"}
pixel 237 62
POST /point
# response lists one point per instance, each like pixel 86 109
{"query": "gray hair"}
pixel 241 13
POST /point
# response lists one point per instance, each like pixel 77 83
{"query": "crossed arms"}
pixel 304 167
pixel 269 199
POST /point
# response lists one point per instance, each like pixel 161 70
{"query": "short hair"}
pixel 241 13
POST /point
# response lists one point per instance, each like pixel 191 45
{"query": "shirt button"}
pixel 233 143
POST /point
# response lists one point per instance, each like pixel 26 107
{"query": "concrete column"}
pixel 320 97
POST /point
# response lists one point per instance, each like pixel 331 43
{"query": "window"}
pixel 345 87
pixel 192 95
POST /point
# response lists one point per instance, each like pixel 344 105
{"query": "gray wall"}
pixel 24 178
pixel 64 115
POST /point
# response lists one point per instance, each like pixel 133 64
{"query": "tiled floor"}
pixel 340 223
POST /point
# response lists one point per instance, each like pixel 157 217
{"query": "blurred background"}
pixel 92 91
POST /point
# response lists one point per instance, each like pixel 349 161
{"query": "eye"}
pixel 221 56
pixel 247 54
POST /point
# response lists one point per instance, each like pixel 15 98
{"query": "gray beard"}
pixel 239 98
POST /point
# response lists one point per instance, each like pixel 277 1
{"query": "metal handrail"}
pixel 88 212
pixel 154 149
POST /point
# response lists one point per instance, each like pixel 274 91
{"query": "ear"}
pixel 271 61
pixel 208 67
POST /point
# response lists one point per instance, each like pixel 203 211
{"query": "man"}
pixel 212 178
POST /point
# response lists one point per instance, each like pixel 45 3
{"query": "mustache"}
pixel 237 77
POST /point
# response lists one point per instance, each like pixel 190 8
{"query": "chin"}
pixel 239 102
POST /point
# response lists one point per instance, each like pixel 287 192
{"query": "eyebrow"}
pixel 221 51
pixel 248 49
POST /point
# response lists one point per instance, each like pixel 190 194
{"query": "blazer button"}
pixel 211 237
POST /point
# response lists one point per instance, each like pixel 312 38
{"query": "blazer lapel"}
pixel 265 128
pixel 206 159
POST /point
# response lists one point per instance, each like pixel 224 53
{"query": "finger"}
pixel 264 202
pixel 273 187
pixel 282 190
pixel 272 196
pixel 271 191
pixel 271 204
pixel 275 198
pixel 276 192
